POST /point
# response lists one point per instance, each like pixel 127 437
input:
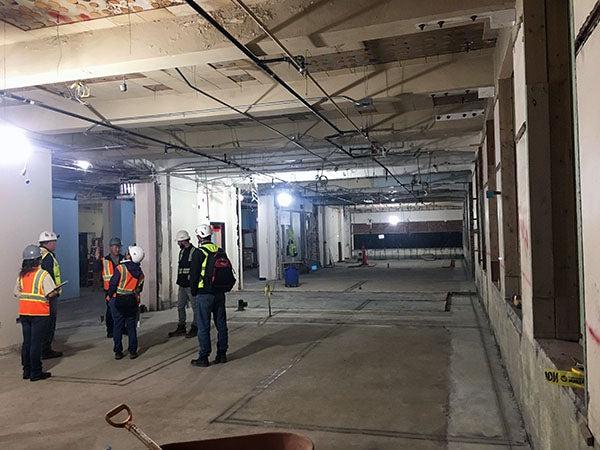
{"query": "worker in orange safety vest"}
pixel 123 296
pixel 109 265
pixel 34 289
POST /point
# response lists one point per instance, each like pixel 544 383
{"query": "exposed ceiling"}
pixel 413 78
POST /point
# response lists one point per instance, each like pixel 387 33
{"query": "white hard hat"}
pixel 182 235
pixel 203 231
pixel 136 253
pixel 47 236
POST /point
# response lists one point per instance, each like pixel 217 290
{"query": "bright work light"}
pixel 394 220
pixel 83 165
pixel 15 148
pixel 284 199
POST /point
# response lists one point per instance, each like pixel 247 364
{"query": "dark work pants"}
pixel 109 320
pixel 123 321
pixel 51 327
pixel 207 304
pixel 34 331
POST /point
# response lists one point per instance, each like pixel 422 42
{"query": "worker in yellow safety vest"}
pixel 34 290
pixel 209 301
pixel 123 296
pixel 50 264
pixel 109 265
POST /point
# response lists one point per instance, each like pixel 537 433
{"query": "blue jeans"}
pixel 35 329
pixel 208 304
pixel 123 320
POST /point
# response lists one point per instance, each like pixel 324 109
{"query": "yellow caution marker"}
pixel 564 378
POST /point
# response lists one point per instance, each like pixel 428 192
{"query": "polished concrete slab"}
pixel 389 368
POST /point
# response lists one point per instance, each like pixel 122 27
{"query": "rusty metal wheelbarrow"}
pixel 264 441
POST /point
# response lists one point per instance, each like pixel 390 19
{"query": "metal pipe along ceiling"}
pixel 267 70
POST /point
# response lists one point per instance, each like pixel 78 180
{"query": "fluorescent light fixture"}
pixel 394 220
pixel 83 165
pixel 284 199
pixel 15 148
pixel 381 236
pixel 368 200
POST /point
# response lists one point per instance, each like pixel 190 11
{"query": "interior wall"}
pixel 65 213
pixel 26 210
pixel 588 100
pixel 122 222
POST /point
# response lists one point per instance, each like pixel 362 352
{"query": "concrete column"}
pixel 145 231
pixel 165 250
pixel 490 204
pixel 66 224
pixel 546 184
pixel 508 235
pixel 268 246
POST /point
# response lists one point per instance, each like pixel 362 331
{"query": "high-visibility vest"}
pixel 185 270
pixel 108 269
pixel 32 298
pixel 207 249
pixel 128 284
pixel 56 267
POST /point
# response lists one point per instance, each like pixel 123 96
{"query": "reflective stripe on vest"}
pixel 107 273
pixel 128 283
pixel 56 267
pixel 32 299
pixel 186 270
pixel 207 249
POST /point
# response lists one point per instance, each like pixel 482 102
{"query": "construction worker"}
pixel 187 254
pixel 109 265
pixel 123 296
pixel 50 264
pixel 34 289
pixel 208 301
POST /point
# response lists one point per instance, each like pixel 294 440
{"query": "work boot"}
pixel 52 354
pixel 133 355
pixel 200 362
pixel 193 332
pixel 26 375
pixel 119 355
pixel 179 331
pixel 220 359
pixel 41 376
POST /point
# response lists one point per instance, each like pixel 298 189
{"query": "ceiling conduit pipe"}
pixel 166 144
pixel 266 69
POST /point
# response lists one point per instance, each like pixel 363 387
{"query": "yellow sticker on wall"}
pixel 564 378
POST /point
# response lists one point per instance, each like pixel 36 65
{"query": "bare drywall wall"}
pixel 16 198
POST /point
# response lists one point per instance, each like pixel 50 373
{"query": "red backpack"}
pixel 219 274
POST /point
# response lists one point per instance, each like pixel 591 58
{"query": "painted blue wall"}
pixel 123 222
pixel 65 216
pixel 249 219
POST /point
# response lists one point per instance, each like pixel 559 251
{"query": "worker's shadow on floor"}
pixel 157 336
pixel 293 335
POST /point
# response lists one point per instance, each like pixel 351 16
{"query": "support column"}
pixel 545 173
pixel 268 247
pixel 508 236
pixel 145 231
pixel 490 204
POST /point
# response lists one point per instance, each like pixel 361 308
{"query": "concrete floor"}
pixel 354 358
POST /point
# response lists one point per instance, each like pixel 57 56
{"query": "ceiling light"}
pixel 16 148
pixel 381 236
pixel 284 199
pixel 394 220
pixel 368 200
pixel 83 165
